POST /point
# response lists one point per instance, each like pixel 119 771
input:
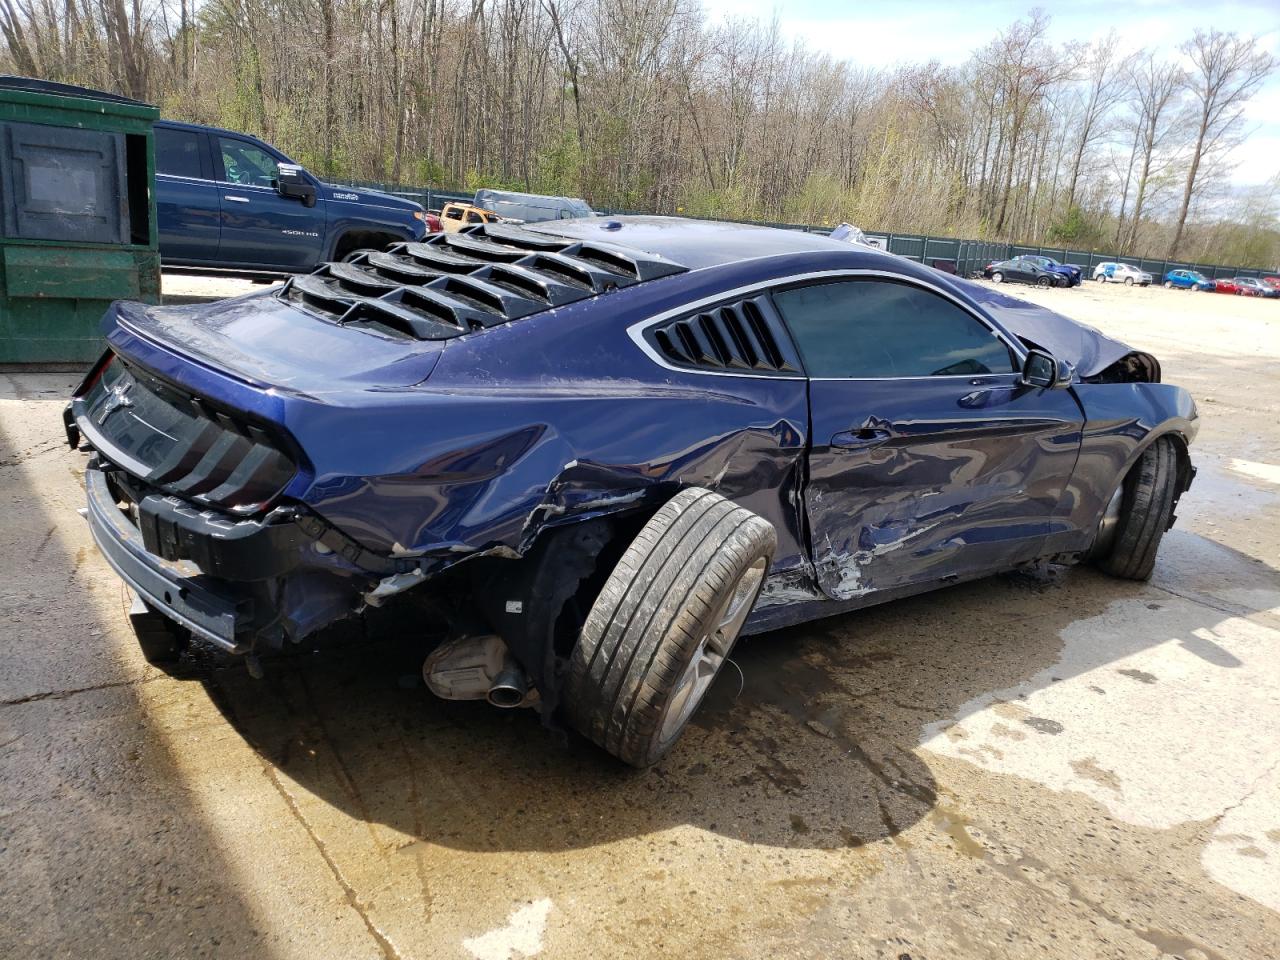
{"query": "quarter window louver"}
pixel 452 284
pixel 741 337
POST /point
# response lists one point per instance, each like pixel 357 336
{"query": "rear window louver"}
pixel 454 283
pixel 741 337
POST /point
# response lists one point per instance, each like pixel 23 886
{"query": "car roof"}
pixel 696 243
pixel 204 128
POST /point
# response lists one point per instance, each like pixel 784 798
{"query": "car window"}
pixel 474 217
pixel 453 213
pixel 178 152
pixel 862 329
pixel 246 164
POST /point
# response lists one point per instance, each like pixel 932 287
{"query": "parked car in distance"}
pixel 455 216
pixel 1073 274
pixel 1187 280
pixel 531 207
pixel 229 201
pixel 1125 273
pixel 1225 285
pixel 1023 271
pixel 1272 282
pixel 1252 287
pixel 595 544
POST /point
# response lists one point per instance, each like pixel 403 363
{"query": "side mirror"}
pixel 1042 370
pixel 292 182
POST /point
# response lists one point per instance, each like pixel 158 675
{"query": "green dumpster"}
pixel 77 216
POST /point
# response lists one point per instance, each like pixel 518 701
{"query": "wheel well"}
pixel 355 239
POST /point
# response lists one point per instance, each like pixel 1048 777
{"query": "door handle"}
pixel 860 439
pixel 236 199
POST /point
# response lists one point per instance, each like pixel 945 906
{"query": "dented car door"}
pixel 930 459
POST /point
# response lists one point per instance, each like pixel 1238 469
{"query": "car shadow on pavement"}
pixel 810 743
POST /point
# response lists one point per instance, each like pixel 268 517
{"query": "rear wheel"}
pixel 1139 513
pixel 664 624
pixel 1128 281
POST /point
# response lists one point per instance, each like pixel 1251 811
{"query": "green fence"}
pixel 964 257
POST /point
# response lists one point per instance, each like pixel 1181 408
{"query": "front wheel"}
pixel 1138 514
pixel 1043 281
pixel 664 624
pixel 997 277
pixel 1168 285
pixel 1101 278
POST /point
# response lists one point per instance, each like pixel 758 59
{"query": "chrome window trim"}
pixel 637 330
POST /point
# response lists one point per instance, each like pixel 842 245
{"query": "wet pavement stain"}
pixel 1044 725
pixel 1140 675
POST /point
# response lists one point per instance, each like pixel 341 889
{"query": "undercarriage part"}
pixel 477 668
pixel 532 604
pixel 161 640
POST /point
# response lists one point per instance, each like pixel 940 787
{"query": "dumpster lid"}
pixel 9 82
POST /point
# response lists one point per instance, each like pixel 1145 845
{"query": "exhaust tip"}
pixel 506 695
pixel 509 688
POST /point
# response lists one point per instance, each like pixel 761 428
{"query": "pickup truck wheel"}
pixel 665 622
pixel 1130 530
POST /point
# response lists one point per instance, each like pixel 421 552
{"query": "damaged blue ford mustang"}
pixel 594 453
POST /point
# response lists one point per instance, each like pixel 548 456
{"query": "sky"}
pixel 881 33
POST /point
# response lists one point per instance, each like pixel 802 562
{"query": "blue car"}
pixel 593 453
pixel 1071 274
pixel 1187 280
pixel 228 201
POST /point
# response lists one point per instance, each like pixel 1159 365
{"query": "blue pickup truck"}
pixel 228 201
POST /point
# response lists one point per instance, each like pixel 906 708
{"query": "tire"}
pixel 1101 278
pixel 997 277
pixel 664 623
pixel 1146 502
pixel 1043 281
pixel 1168 285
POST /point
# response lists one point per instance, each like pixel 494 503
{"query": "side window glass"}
pixel 452 213
pixel 178 152
pixel 863 329
pixel 246 164
pixel 474 217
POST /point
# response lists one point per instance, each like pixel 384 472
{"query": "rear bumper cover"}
pixel 175 588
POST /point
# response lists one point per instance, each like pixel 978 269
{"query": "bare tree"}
pixel 1226 70
pixel 1156 86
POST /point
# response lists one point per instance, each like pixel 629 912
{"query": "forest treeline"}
pixel 647 105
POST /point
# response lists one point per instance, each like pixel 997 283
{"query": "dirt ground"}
pixel 1048 765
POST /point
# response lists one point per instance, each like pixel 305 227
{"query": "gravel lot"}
pixel 1053 764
